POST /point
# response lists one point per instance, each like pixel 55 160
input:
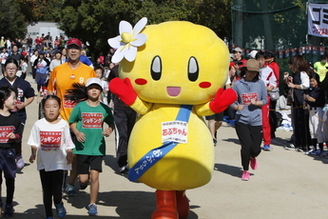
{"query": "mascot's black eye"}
pixel 193 69
pixel 156 68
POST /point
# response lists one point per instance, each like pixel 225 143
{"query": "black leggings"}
pixel 10 187
pixel 250 138
pixel 52 185
pixel 124 120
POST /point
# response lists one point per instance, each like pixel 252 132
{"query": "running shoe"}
pixel 290 147
pixel 124 170
pixel 60 210
pixel 253 163
pixel 92 209
pixel 70 191
pixel 245 176
pixel 267 147
pixel 311 151
pixel 9 211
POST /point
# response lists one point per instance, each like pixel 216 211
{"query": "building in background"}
pixel 40 28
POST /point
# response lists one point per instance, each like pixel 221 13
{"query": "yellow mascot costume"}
pixel 171 74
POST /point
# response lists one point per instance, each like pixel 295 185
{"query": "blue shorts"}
pixel 7 162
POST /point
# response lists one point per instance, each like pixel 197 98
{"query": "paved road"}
pixel 287 184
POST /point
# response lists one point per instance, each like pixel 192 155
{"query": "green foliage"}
pixel 161 11
pixel 97 20
pixel 215 15
pixel 40 10
pixel 12 22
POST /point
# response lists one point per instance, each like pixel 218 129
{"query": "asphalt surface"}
pixel 287 184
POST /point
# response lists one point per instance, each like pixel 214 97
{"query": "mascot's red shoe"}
pixel 182 204
pixel 166 205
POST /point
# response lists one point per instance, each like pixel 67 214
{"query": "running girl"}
pixel 52 146
pixel 11 130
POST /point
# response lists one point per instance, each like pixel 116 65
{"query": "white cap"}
pixel 252 54
pixel 237 49
pixel 92 81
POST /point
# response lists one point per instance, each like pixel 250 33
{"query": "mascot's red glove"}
pixel 123 90
pixel 223 99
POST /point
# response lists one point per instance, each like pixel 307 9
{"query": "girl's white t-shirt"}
pixel 52 141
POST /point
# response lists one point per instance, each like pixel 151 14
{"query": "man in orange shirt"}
pixel 62 78
pixel 65 75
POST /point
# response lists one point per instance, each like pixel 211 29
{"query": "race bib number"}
pixel 92 120
pixel 50 140
pixel 4 131
pixel 175 131
pixel 69 104
pixel 246 98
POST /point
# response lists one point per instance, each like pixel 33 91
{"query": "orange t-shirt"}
pixel 62 78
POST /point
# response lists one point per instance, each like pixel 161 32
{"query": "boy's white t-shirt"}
pixel 24 67
pixel 52 141
pixel 104 85
pixel 3 57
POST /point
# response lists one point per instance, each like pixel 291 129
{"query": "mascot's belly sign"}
pixel 187 165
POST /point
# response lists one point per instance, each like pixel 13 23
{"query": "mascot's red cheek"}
pixel 205 84
pixel 140 81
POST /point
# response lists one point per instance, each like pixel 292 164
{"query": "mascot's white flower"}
pixel 127 42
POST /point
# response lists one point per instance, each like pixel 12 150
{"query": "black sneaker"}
pixel 9 211
pixel 290 147
pixel 124 170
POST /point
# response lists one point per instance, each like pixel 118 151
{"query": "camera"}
pixel 238 62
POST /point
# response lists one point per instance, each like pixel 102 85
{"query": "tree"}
pixel 97 20
pixel 158 11
pixel 215 15
pixel 12 22
pixel 40 10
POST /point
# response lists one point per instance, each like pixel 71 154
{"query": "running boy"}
pixel 86 122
